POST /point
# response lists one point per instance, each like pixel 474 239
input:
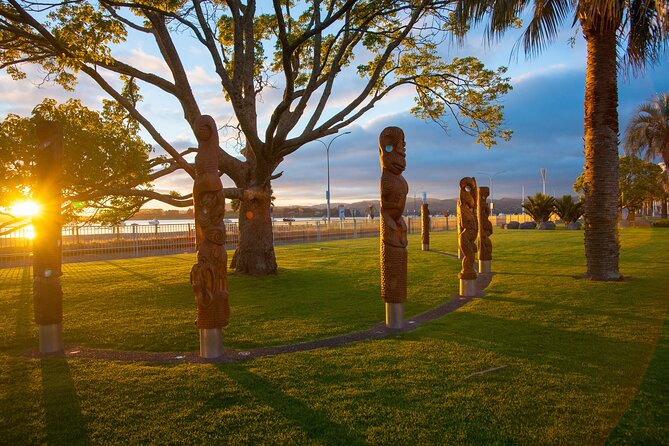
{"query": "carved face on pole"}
pixel 392 150
pixel 206 161
pixel 204 128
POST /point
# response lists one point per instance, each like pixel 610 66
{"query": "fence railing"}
pixel 89 243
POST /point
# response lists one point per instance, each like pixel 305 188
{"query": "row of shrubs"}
pixel 664 223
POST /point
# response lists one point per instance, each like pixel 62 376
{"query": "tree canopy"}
pixel 639 181
pixel 254 50
pixel 106 163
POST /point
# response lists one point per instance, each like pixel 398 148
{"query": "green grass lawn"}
pixel 574 354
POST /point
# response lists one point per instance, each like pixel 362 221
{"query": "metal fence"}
pixel 88 243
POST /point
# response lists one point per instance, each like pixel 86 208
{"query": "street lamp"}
pixel 327 152
pixel 490 177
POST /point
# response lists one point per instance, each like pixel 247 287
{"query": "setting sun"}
pixel 25 208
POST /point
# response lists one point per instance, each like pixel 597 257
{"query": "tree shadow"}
pixel 64 421
pixel 145 277
pixel 316 425
pixel 547 306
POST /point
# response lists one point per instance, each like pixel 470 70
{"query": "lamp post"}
pixel 490 178
pixel 327 153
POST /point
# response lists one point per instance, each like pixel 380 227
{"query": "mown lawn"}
pixel 570 353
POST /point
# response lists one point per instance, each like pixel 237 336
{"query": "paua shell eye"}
pixel 389 148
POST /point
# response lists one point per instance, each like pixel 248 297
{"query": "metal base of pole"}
pixel 485 266
pixel 425 247
pixel 211 342
pixel 51 338
pixel 468 288
pixel 394 316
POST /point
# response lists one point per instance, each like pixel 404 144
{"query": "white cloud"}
pixel 199 76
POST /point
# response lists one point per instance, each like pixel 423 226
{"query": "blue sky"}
pixel 545 111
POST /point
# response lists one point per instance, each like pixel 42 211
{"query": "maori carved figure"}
pixel 209 275
pixel 485 227
pixel 468 227
pixel 425 224
pixel 394 189
pixel 48 251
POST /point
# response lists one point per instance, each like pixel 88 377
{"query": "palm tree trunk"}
pixel 601 155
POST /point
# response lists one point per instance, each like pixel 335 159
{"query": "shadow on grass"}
pixel 547 306
pixel 526 274
pixel 584 352
pixel 64 422
pixel 645 421
pixel 314 424
pixel 145 277
pixel 21 310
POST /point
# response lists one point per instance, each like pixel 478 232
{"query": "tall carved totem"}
pixel 425 227
pixel 468 231
pixel 209 275
pixel 48 249
pixel 485 230
pixel 394 189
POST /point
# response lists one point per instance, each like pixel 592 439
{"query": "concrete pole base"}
pixel 394 316
pixel 425 247
pixel 485 266
pixel 468 288
pixel 51 338
pixel 211 342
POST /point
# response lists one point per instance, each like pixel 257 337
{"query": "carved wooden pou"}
pixel 425 225
pixel 485 226
pixel 48 250
pixel 209 275
pixel 394 189
pixel 468 227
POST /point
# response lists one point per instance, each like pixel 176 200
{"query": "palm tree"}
pixel 540 207
pixel 641 25
pixel 648 131
pixel 568 210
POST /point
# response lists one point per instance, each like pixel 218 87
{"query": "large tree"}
pixel 107 167
pixel 640 182
pixel 300 47
pixel 639 29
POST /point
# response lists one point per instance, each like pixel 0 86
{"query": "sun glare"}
pixel 25 208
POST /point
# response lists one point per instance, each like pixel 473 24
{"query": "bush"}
pixel 539 207
pixel 664 223
pixel 568 209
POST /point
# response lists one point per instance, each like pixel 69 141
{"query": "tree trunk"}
pixel 602 247
pixel 664 207
pixel 255 251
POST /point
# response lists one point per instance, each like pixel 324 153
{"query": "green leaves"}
pixel 540 207
pixel 102 153
pixel 639 181
pixel 567 209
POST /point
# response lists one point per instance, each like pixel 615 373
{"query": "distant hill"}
pixel 359 208
pixel 437 206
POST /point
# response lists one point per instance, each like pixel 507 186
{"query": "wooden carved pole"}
pixel 209 275
pixel 468 231
pixel 48 250
pixel 394 189
pixel 485 231
pixel 425 226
